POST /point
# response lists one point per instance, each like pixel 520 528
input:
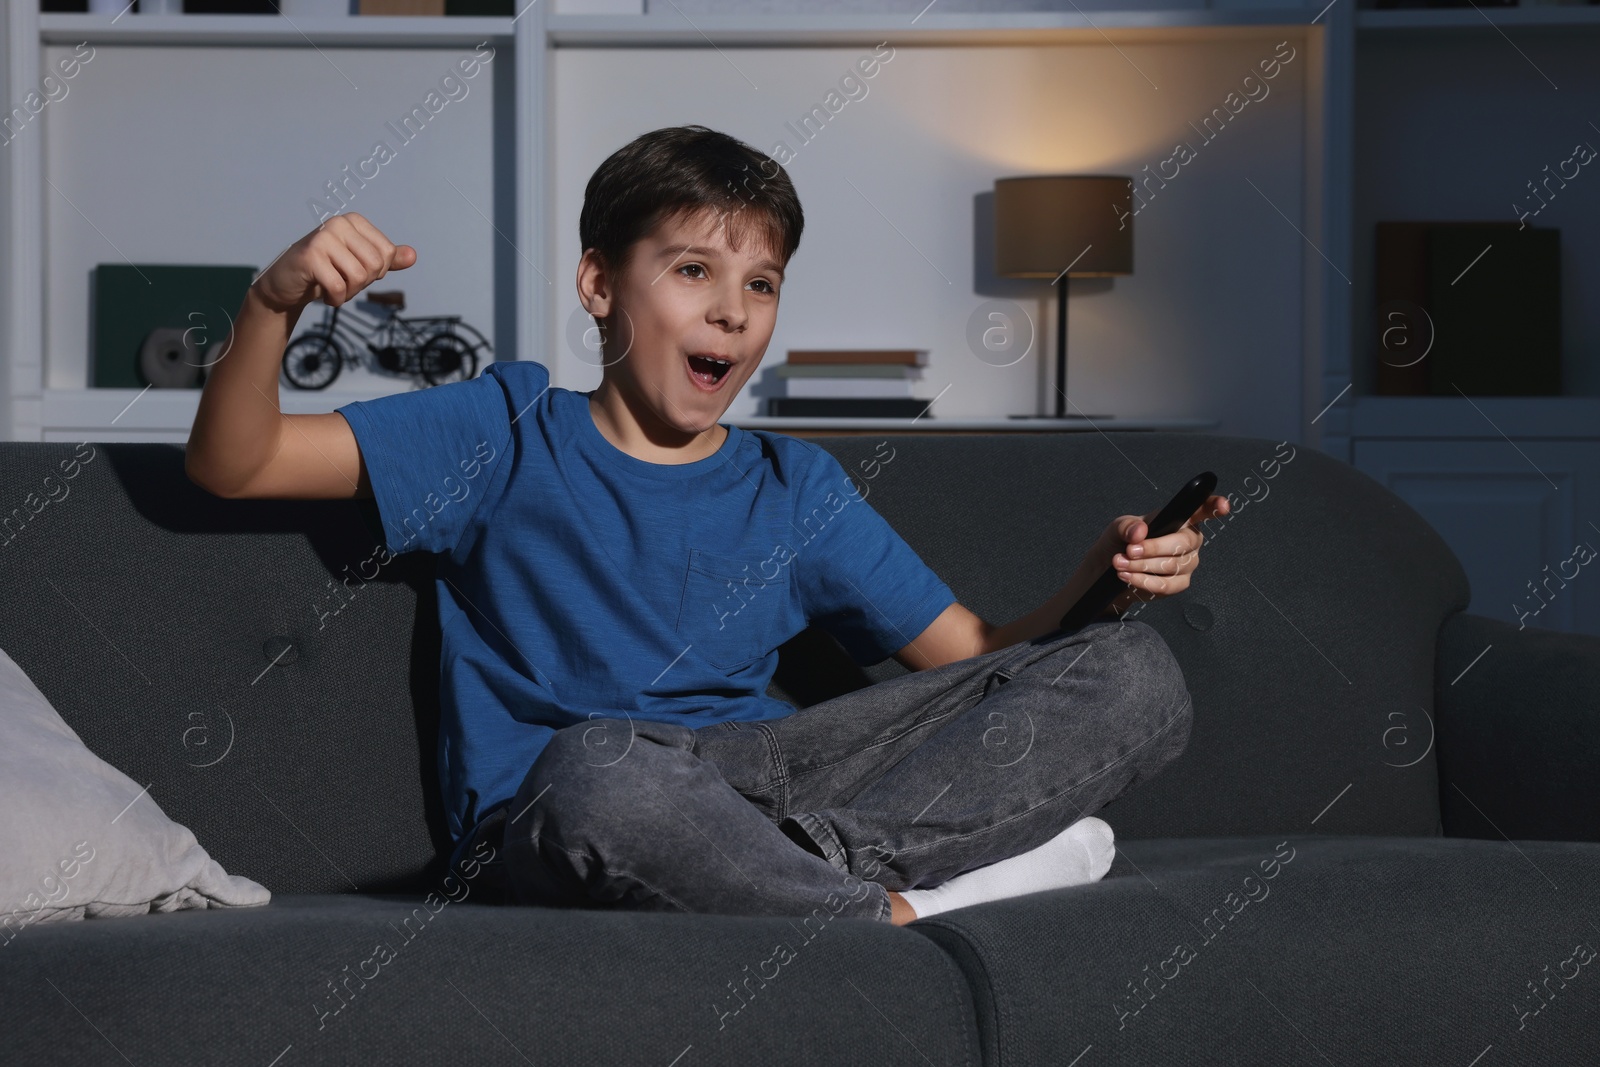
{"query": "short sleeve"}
pixel 857 577
pixel 431 456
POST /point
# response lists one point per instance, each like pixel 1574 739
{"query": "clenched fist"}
pixel 332 263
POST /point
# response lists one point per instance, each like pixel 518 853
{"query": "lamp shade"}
pixel 1045 224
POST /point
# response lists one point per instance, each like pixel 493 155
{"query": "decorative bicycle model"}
pixel 441 348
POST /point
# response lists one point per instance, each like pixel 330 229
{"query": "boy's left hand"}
pixel 1160 566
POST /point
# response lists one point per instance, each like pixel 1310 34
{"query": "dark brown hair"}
pixel 676 172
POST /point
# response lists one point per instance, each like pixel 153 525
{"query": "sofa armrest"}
pixel 1518 731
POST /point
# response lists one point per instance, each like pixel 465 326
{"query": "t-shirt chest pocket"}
pixel 729 612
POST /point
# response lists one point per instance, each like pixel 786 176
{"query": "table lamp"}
pixel 1063 226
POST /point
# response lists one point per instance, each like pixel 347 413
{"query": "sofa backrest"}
pixel 230 654
pixel 279 692
pixel 1307 638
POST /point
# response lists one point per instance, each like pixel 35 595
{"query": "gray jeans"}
pixel 897 785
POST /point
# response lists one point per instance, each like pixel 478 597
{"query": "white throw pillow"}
pixel 80 839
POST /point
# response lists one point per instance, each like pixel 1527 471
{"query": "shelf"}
pixel 27 407
pixel 167 410
pixel 258 30
pixel 796 31
pixel 1480 19
pixel 1517 417
pixel 931 424
pixel 171 411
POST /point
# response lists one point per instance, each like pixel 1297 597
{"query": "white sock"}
pixel 1079 854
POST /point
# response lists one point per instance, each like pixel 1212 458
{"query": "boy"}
pixel 617 569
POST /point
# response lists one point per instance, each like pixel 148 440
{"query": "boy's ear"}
pixel 594 285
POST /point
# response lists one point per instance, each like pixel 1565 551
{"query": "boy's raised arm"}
pixel 241 445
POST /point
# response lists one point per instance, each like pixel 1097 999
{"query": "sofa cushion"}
pixel 1297 949
pixel 80 839
pixel 465 983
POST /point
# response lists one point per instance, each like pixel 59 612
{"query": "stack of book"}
pixel 873 383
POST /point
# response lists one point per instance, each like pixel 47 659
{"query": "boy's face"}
pixel 687 296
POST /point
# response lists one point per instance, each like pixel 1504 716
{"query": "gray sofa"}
pixel 1379 845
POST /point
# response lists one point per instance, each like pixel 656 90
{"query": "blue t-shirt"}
pixel 578 582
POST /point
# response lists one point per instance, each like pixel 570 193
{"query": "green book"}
pixel 129 301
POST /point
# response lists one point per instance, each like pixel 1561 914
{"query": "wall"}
pixel 895 253
pixel 210 155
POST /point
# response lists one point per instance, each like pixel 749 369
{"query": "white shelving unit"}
pixel 1328 35
pixel 1520 82
pixel 258 30
pixel 29 409
pixel 668 30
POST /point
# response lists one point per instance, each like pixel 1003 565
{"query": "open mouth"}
pixel 707 372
